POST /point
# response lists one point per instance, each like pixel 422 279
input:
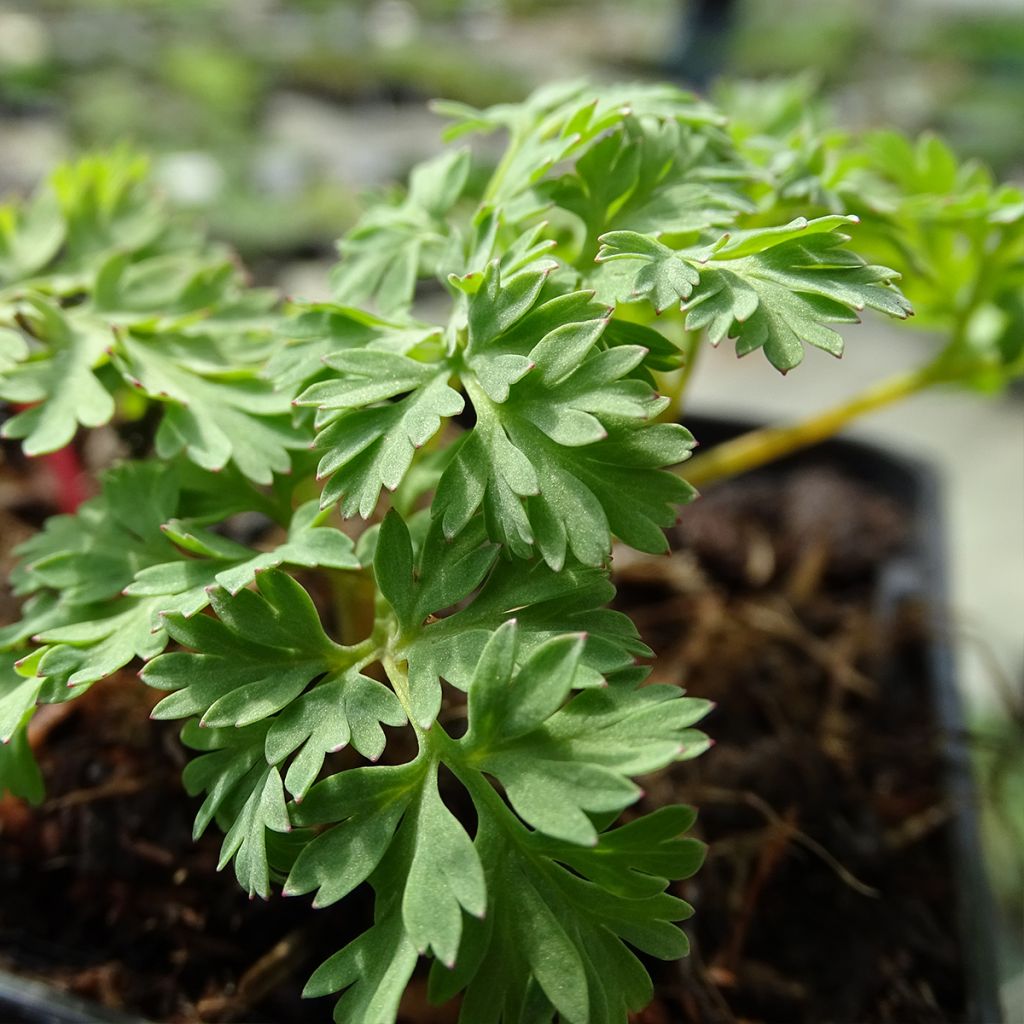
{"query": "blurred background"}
pixel 270 118
pixel 273 115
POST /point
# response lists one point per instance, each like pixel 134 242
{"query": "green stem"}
pixel 398 675
pixel 359 655
pixel 484 795
pixel 691 346
pixel 501 171
pixel 758 447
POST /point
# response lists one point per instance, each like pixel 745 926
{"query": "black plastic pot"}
pixel 916 573
pixel 31 1002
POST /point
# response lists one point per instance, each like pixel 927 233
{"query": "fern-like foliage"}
pixel 103 291
pixel 496 707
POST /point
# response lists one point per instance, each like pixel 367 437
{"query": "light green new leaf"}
pixel 13 349
pixel 92 555
pixel 100 640
pixel 214 415
pixel 772 288
pixel 656 272
pixel 383 256
pixel 30 237
pixel 59 384
pixel 233 566
pixel 126 545
pixel 321 329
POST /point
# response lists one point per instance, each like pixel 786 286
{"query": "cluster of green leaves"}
pixel 496 710
pixel 103 294
pixel 951 230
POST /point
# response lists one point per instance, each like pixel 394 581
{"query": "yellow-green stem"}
pixel 676 391
pixel 398 675
pixel 759 447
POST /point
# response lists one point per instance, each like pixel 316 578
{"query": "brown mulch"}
pixel 827 893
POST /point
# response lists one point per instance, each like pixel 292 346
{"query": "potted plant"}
pixel 438 701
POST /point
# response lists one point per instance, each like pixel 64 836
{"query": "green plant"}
pixel 515 440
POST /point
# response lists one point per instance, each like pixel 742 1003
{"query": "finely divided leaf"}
pixel 373 419
pixel 258 655
pixel 60 384
pixel 772 288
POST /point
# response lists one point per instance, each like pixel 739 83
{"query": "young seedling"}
pixel 496 706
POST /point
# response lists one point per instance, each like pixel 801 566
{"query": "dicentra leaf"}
pixel 553 441
pixel 60 386
pixel 769 288
pixel 519 918
pixel 373 421
pixel 259 654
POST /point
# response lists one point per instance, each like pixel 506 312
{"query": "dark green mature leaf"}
pixel 504 915
pixel 19 687
pixel 372 971
pixel 556 944
pixel 440 576
pixel 259 654
pixel 558 766
pixel 346 708
pixel 244 794
pixel 444 878
pixel 364 807
pixel 384 408
pixel 255 659
pixel 92 555
pixel 563 430
pixel 443 573
pixel 98 641
pixel 638 858
pixel 19 772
